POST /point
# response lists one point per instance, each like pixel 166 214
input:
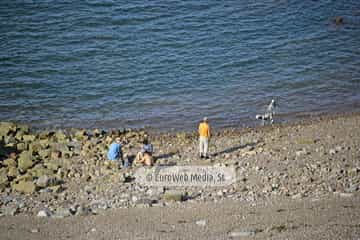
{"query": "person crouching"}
pixel 145 156
pixel 115 153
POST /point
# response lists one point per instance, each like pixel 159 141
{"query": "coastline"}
pixel 316 158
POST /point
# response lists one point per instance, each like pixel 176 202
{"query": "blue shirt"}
pixel 114 151
pixel 147 148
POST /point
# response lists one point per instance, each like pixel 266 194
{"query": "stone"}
pixel 21 146
pixel 9 162
pixel 332 151
pixel 60 136
pixel 24 128
pixel 46 181
pixel 4 181
pixel 62 213
pixel 13 172
pixel 44 153
pixel 80 135
pixel 6 128
pixel 242 233
pixel 173 195
pixel 201 223
pixel 44 213
pixel 10 211
pixel 25 161
pixel 24 187
pixel 301 152
pixel 56 189
pixel 34 230
pixel 29 138
pixel 83 211
pixel 39 170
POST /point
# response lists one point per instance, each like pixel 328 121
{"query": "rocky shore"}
pixel 61 173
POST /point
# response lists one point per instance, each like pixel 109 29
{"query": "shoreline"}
pixel 280 119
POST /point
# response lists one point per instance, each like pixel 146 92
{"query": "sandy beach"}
pixel 293 181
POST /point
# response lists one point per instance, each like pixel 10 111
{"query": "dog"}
pixel 267 117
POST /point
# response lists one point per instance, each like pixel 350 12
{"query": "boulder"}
pixel 39 170
pixel 6 128
pixel 46 181
pixel 29 138
pixel 60 136
pixel 173 195
pixel 13 172
pixel 4 181
pixel 62 213
pixel 24 187
pixel 21 146
pixel 54 166
pixel 80 135
pixel 35 146
pixel 44 213
pixel 25 161
pixel 23 128
pixel 9 162
pixel 44 153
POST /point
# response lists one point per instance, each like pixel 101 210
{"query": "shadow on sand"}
pixel 233 149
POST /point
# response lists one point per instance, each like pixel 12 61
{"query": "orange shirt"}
pixel 204 130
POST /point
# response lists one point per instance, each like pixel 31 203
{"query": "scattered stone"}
pixel 10 211
pixel 44 213
pixel 62 213
pixel 332 151
pixel 25 161
pixel 34 230
pixel 201 223
pixel 173 195
pixel 243 233
pixel 24 187
pixel 46 181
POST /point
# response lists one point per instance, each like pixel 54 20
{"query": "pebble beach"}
pixel 61 175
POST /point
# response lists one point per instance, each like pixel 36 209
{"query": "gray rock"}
pixel 46 181
pixel 173 195
pixel 332 151
pixel 10 211
pixel 242 233
pixel 201 223
pixel 62 213
pixel 44 213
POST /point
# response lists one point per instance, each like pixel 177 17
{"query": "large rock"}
pixel 81 135
pixel 13 172
pixel 9 162
pixel 24 187
pixel 29 138
pixel 44 153
pixel 25 161
pixel 39 170
pixel 173 195
pixel 6 128
pixel 60 136
pixel 21 146
pixel 4 181
pixel 46 181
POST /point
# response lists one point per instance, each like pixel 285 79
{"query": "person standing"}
pixel 204 137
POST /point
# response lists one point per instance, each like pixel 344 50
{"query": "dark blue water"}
pixel 165 64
